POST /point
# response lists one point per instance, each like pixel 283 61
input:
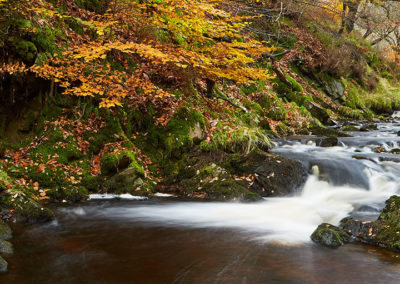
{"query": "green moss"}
pixel 71 193
pixel 27 50
pixel 90 182
pixel 112 162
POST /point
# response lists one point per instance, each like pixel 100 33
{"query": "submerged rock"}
pixel 330 236
pixel 3 265
pixel 6 247
pixel 5 231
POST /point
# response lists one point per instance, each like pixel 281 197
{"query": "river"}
pixel 165 240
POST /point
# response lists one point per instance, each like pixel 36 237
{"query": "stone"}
pixel 126 181
pixel 318 112
pixel 5 231
pixel 3 265
pixel 330 236
pixel 384 232
pixel 6 247
pixel 328 142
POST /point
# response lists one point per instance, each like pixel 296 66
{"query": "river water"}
pixel 165 240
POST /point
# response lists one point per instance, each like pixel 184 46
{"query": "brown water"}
pixel 87 246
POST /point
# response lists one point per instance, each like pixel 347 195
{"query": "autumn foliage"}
pixel 121 55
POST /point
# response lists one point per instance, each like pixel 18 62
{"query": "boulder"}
pixel 5 231
pixel 6 247
pixel 395 151
pixel 335 89
pixel 328 142
pixel 216 183
pixel 3 265
pixel 330 236
pixel 127 181
pixel 273 174
pixel 384 232
pixel 318 112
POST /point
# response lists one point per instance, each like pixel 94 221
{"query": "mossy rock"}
pixel 129 180
pixel 92 183
pixel 32 212
pixel 3 265
pixel 71 193
pixel 112 163
pixel 274 175
pixel 330 236
pixel 384 232
pixel 328 132
pixel 6 247
pixel 5 231
pixel 215 183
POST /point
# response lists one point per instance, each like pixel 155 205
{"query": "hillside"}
pixel 173 95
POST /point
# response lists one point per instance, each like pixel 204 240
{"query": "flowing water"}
pixel 165 240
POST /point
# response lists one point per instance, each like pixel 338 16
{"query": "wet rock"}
pixel 5 231
pixel 330 236
pixel 368 126
pixel 384 232
pixel 6 247
pixel 398 133
pixel 359 230
pixel 3 265
pixel 395 151
pixel 328 142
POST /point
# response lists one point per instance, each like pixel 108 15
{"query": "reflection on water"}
pixel 88 247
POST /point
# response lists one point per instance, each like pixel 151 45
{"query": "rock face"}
pixel 384 232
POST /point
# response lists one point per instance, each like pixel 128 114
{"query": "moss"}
pixel 90 182
pixel 111 163
pixel 330 236
pixel 27 50
pixel 214 182
pixel 71 193
pixel 33 212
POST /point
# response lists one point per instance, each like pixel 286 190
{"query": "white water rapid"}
pixel 291 220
